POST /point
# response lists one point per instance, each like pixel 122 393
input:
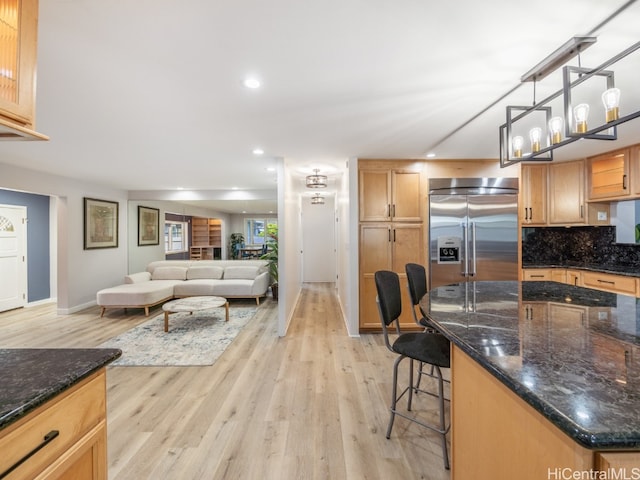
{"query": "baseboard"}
pixel 37 303
pixel 76 309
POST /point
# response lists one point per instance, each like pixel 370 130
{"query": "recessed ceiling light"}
pixel 234 188
pixel 179 188
pixel 271 169
pixel 258 151
pixel 431 155
pixel 251 82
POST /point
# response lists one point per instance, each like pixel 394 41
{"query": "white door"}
pixel 13 251
pixel 318 241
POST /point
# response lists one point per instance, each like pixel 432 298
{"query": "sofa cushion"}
pixel 248 272
pixel 200 272
pixel 137 277
pixel 233 288
pixel 192 288
pixel 169 273
pixel 136 294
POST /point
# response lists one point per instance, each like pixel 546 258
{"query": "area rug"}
pixel 192 340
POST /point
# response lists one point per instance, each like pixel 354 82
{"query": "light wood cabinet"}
pixel 573 277
pixel 389 195
pixel 566 193
pixel 610 283
pixel 206 239
pixel 387 246
pixel 19 31
pixel 77 449
pixel 634 167
pixel 608 175
pixel 391 209
pixel 533 209
pixel 537 274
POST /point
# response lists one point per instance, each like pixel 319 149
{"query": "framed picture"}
pixel 148 226
pixel 100 224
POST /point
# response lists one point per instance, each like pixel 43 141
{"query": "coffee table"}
pixel 193 304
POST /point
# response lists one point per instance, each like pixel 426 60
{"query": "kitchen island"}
pixel 545 379
pixel 53 413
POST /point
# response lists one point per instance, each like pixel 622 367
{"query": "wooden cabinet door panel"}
pixel 406 199
pixel 609 175
pixel 566 192
pixel 534 204
pixel 407 246
pixel 375 248
pixel 18 56
pixel 375 196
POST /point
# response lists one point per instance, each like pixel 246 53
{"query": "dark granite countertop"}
pixel 571 353
pixel 31 377
pixel 625 270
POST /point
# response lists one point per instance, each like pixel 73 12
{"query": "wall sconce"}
pixel 316 181
pixel 575 118
pixel 317 200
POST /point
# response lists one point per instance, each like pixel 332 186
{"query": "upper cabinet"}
pixel 634 160
pixel 566 193
pixel 533 208
pixel 608 175
pixel 18 30
pixel 389 195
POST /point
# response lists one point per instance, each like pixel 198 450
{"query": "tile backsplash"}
pixel 575 246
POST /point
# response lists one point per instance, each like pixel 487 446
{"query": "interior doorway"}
pixel 318 240
pixel 13 262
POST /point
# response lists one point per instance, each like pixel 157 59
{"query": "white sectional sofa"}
pixel 167 279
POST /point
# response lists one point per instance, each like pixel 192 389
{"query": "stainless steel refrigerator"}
pixel 473 230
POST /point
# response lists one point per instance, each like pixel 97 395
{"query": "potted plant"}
pixel 271 240
pixel 235 240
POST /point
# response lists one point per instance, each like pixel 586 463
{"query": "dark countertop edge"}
pixel 32 404
pixel 588 268
pixel 589 440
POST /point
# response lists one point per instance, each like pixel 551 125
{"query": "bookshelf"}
pixel 206 239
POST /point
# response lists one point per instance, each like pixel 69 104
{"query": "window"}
pixel 175 236
pixel 255 228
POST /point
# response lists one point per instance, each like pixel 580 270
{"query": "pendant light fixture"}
pixel 574 123
pixel 316 180
pixel 317 199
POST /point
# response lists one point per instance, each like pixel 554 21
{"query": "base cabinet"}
pixel 516 440
pixel 387 246
pixel 78 448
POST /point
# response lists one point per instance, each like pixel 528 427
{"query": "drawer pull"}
pixel 47 439
pixel 609 282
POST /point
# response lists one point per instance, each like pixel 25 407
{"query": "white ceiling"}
pixel 148 94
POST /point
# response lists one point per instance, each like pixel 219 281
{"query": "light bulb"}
pixel 535 134
pixel 611 100
pixel 555 127
pixel 581 112
pixel 518 142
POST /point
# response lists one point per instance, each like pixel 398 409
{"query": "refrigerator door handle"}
pixel 473 249
pixel 465 250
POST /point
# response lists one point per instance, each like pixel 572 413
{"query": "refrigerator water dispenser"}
pixel 449 249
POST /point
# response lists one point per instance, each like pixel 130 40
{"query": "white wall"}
pixel 80 273
pixel 289 245
pixel 140 256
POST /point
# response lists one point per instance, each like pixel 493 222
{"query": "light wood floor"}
pixel 311 405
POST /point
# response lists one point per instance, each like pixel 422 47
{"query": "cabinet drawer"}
pixel 610 283
pixel 537 274
pixel 72 414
